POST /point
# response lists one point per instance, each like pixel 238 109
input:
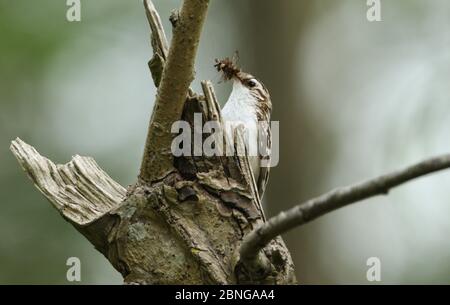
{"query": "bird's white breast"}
pixel 240 110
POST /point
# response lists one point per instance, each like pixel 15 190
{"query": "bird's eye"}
pixel 251 83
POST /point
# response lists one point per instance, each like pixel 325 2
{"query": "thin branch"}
pixel 178 73
pixel 159 40
pixel 338 198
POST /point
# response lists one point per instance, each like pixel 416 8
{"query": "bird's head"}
pixel 244 83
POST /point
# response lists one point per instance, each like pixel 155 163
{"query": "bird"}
pixel 249 108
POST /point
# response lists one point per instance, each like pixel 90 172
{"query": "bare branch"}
pixel 159 42
pixel 178 73
pixel 338 198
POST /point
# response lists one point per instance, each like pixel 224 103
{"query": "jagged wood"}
pixel 80 190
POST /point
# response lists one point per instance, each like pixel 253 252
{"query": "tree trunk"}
pixel 184 229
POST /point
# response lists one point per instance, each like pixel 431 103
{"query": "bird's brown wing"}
pixel 265 139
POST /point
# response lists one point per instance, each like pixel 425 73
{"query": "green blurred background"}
pixel 354 99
